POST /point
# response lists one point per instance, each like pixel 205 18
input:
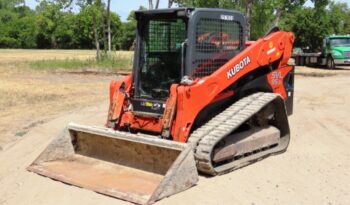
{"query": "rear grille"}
pixel 347 54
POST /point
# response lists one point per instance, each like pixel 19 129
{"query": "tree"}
pixel 17 25
pixel 49 15
pixel 260 14
pixel 101 7
pixel 311 25
pixel 62 35
pixel 94 6
pixel 128 34
pixel 150 4
pixel 9 4
pixel 347 22
pixel 170 3
pixel 308 27
pixel 320 4
pixel 109 28
pixel 261 19
pixel 249 8
pixel 338 17
pixel 83 29
pixel 282 6
pixel 94 23
pixel 53 25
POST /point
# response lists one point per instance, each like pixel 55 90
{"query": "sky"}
pixel 123 7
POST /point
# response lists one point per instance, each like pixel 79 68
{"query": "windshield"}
pixel 160 63
pixel 340 42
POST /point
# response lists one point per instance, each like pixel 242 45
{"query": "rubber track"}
pixel 204 139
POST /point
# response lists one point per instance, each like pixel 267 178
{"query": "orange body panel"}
pixel 191 99
pixel 275 79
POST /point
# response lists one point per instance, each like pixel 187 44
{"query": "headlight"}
pixel 336 53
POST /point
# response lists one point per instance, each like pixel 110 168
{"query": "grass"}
pixel 119 61
pixel 28 96
pixel 30 92
pixel 10 56
pixel 77 64
pixel 52 60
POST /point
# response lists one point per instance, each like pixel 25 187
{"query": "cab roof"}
pixel 182 11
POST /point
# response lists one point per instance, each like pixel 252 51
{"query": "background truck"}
pixel 335 51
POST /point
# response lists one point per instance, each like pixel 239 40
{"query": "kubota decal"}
pixel 239 66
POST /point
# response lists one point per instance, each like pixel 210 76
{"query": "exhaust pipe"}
pixel 137 168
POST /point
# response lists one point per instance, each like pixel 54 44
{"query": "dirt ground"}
pixel 314 170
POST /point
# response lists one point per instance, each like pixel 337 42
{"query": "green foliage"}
pixel 310 25
pixel 128 33
pixel 261 18
pixel 53 25
pixel 117 29
pixel 17 26
pixel 320 4
pixel 24 31
pixel 263 11
pixel 346 25
pixel 307 27
pixel 9 4
pixel 82 29
pixel 48 18
pixel 8 42
pixel 339 17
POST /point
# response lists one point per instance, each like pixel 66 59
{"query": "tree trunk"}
pixel 103 25
pixel 157 4
pixel 277 17
pixel 150 4
pixel 170 3
pixel 97 43
pixel 249 8
pixel 109 29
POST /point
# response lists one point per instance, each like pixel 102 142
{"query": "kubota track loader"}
pixel 199 98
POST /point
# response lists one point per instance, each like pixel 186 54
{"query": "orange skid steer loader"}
pixel 199 99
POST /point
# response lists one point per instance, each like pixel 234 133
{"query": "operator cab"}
pixel 173 43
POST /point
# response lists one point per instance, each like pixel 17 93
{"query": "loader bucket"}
pixel 137 168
